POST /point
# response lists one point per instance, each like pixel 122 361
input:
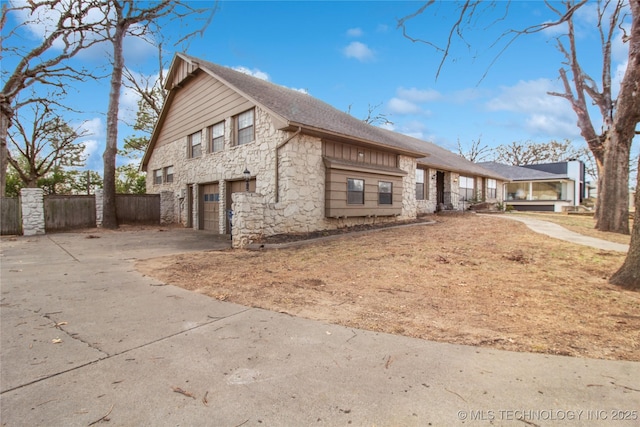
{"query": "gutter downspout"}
pixel 278 147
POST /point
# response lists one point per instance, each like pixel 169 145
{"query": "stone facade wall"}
pixel 99 205
pixel 226 165
pixel 167 207
pixel 248 219
pixel 32 211
pixel 409 202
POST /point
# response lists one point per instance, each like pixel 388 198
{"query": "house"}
pixel 245 155
pixel 542 187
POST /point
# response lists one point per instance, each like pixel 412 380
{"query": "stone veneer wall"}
pixel 167 207
pixel 248 219
pixel 99 205
pixel 32 211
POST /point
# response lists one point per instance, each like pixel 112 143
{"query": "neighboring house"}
pixel 309 166
pixel 542 187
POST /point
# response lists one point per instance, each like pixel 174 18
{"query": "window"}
pixel 195 144
pixel 419 184
pixel 157 176
pixel 518 191
pixel 385 190
pixel 467 191
pixel 168 174
pixel 355 191
pixel 492 189
pixel 216 133
pixel 245 127
pixel 546 191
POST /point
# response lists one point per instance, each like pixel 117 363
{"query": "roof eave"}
pixel 318 132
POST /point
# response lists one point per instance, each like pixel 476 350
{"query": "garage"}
pixel 210 203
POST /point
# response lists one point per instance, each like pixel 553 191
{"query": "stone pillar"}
pixel 32 211
pixel 99 204
pixel 248 219
pixel 167 207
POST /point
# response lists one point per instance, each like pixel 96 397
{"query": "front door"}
pixel 440 188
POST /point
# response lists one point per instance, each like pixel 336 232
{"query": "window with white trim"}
pixel 420 184
pixel 492 188
pixel 245 127
pixel 467 188
pixel 195 144
pixel 216 133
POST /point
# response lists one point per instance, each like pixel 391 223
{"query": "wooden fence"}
pixel 138 208
pixel 10 219
pixel 69 212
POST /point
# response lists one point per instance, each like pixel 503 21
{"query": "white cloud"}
pixel 255 72
pixel 544 114
pixel 355 32
pixel 94 128
pixel 402 106
pixel 91 148
pixel 417 95
pixel 359 51
pixel 382 28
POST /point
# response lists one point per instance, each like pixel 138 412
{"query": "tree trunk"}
pixel 628 275
pixel 4 156
pixel 625 122
pixel 109 216
pixel 613 207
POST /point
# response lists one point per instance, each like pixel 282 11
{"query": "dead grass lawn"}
pixel 474 280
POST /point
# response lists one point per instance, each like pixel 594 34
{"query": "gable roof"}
pixel 301 111
pixel 519 173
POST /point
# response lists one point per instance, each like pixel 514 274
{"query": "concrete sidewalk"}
pixel 87 340
pixel 558 232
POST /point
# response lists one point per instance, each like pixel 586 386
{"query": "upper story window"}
pixel 355 191
pixel 157 176
pixel 467 188
pixel 217 137
pixel 385 193
pixel 245 127
pixel 195 144
pixel 492 187
pixel 168 174
pixel 419 184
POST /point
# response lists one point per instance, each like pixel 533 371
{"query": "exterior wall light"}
pixel 247 177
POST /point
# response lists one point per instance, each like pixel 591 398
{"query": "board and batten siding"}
pixel 202 101
pixel 353 153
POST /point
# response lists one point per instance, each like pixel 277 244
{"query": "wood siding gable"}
pixel 201 102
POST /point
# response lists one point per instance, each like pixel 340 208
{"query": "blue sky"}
pixel 351 55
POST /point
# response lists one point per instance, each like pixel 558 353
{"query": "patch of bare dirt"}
pixel 469 279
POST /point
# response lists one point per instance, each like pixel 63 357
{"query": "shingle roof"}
pixel 300 109
pixel 517 173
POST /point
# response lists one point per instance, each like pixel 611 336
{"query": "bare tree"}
pixel 476 153
pixel 71 28
pixel 611 152
pixel 128 17
pixel 531 153
pixel 373 117
pixel 43 144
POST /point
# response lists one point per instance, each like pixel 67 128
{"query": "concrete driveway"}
pixel 87 340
